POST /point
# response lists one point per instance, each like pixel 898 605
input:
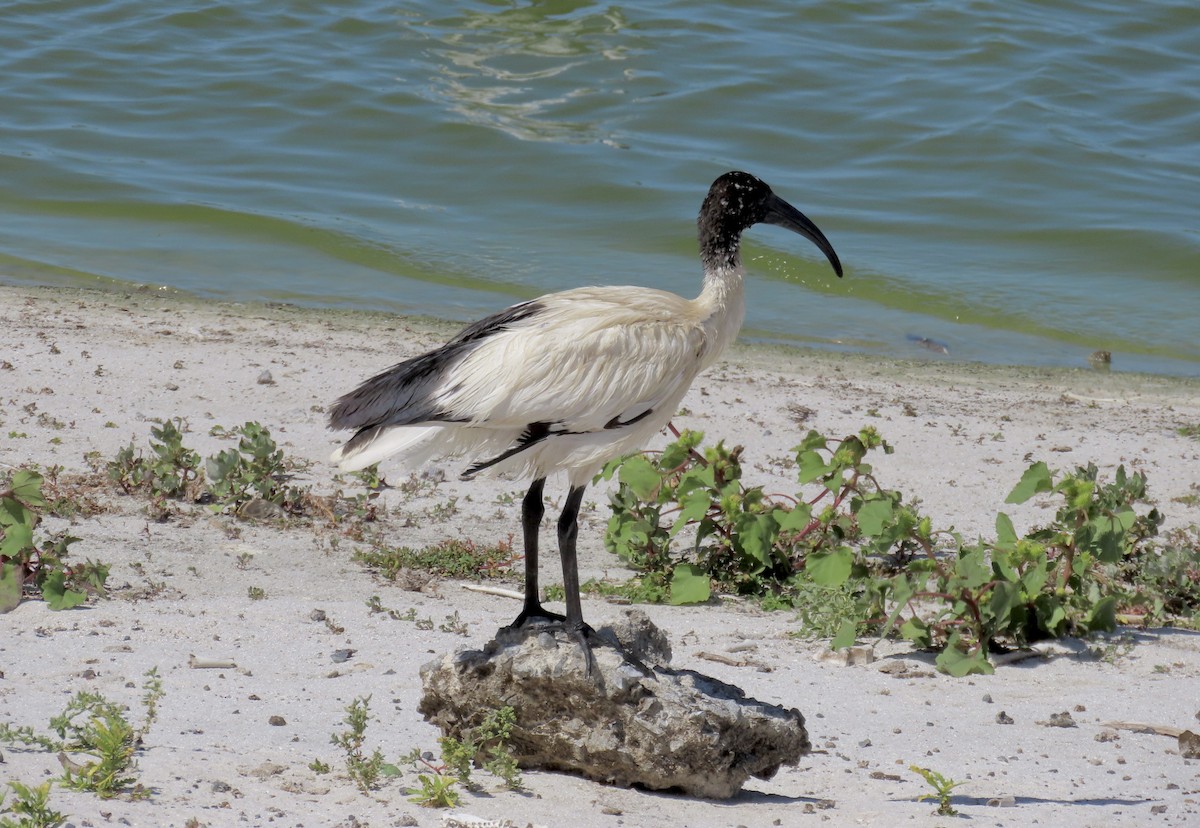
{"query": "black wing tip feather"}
pixel 362 438
pixel 533 434
pixel 388 397
pixel 496 322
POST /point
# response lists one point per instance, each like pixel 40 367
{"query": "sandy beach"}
pixel 85 373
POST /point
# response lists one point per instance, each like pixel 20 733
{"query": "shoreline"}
pixel 1186 372
pixel 87 372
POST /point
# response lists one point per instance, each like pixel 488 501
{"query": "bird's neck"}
pixel 722 307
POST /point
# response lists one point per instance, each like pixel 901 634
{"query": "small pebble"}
pixel 277 721
pixel 265 378
pixel 339 656
pixel 1063 719
pixel 1003 718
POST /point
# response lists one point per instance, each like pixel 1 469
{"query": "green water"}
pixel 1015 181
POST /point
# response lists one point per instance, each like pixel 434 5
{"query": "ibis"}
pixel 566 382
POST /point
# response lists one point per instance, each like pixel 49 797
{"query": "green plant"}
pixel 110 740
pixel 495 738
pixel 1053 581
pixel 747 541
pixel 152 695
pixel 39 564
pixel 437 791
pixel 256 468
pixel 95 729
pixel 32 805
pixel 942 786
pixel 364 769
pixel 1165 579
pixel 487 745
pixel 452 558
pixel 453 624
pixel 172 471
pixel 856 557
pixel 370 477
pixel 645 590
pixel 375 606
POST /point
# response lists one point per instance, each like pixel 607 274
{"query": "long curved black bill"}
pixel 782 214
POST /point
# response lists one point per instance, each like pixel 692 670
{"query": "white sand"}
pixel 88 371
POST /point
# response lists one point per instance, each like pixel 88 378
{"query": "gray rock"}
pixel 628 720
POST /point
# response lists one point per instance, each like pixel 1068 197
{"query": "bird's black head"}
pixel 738 200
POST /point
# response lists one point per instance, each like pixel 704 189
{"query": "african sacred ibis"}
pixel 569 381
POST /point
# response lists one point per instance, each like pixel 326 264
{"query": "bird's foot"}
pixel 586 636
pixel 535 613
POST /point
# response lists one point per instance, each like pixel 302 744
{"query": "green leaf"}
pixel 689 585
pixel 958 664
pixel 811 466
pixel 1103 616
pixel 13 513
pixel 973 568
pixel 610 468
pixel 27 486
pixel 1051 615
pixel 1107 535
pixel 1004 596
pixel 1006 534
pixel 830 568
pixel 1036 479
pixel 916 631
pixel 693 507
pixel 1003 567
pixel 845 635
pixel 874 515
pixel 639 474
pixel 58 597
pixel 678 452
pixel 756 534
pixel 10 586
pixel 17 539
pixel 812 441
pixel 794 519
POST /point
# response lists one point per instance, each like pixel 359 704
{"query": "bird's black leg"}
pixel 532 510
pixel 568 533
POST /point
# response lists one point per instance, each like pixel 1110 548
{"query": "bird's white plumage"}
pixel 401 441
pixel 606 367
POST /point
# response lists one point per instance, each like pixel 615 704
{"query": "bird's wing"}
pixel 586 360
pixel 406 393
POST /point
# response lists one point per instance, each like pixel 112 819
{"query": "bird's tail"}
pixel 372 445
